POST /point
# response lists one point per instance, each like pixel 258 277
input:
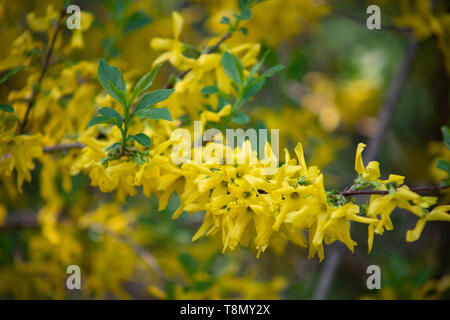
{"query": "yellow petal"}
pixel 177 24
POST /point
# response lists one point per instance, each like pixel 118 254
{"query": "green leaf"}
pixel 145 82
pixel 11 73
pixel 107 73
pixel 209 90
pixel 446 133
pixel 273 70
pixel 445 183
pixel 240 118
pixel 102 120
pixel 111 113
pixel 154 114
pixel 257 66
pixel 6 108
pixel 142 139
pixel 188 263
pixel 121 96
pixel 244 31
pixel 443 165
pixel 233 67
pixel 225 20
pixel 136 21
pixel 245 13
pixel 153 97
pixel 252 88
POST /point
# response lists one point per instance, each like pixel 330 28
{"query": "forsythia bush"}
pixel 98 130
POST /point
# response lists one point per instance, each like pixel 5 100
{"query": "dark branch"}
pixel 366 192
pixel 37 88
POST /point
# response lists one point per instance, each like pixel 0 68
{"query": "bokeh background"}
pixel 336 79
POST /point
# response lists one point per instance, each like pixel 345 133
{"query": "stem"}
pixel 63 147
pixel 415 189
pixel 37 88
pixel 18 220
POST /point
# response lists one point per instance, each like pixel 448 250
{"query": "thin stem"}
pixel 37 87
pixel 368 192
pixel 18 220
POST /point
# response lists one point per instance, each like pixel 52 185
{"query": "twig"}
pixel 63 147
pixel 330 267
pixel 50 149
pixel 37 87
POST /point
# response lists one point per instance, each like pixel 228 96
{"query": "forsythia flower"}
pixel 18 152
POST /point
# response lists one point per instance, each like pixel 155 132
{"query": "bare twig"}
pixel 45 66
pixel 405 31
pixel 367 192
pixel 63 147
pixel 54 148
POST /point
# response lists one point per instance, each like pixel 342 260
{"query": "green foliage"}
pixel 135 21
pixel 246 87
pixel 11 73
pixel 111 79
pixel 443 164
pixel 446 133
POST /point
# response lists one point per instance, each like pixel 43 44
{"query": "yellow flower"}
pixel 174 47
pixel 18 152
pixel 439 213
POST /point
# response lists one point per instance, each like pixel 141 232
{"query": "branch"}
pixel 210 50
pixel 37 88
pixel 50 149
pixel 63 147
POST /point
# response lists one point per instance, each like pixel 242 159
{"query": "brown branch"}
pixel 368 192
pixel 54 148
pixel 37 87
pixel 63 147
